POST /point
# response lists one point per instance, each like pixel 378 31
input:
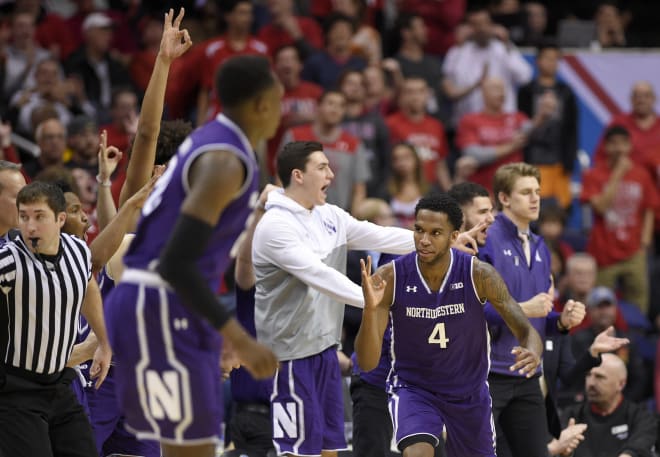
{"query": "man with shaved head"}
pixel 490 138
pixel 616 427
pixel 642 122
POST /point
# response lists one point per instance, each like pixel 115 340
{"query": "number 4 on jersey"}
pixel 438 335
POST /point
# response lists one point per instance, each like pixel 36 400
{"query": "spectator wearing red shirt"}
pixel 236 40
pixel 183 85
pixel 143 61
pixel 300 100
pixel 413 125
pixel 7 150
pixel 641 122
pixel 347 157
pixel 490 138
pixel 52 32
pixel 121 130
pixel 380 95
pixel 441 18
pixel 287 28
pixel 643 125
pixel 623 198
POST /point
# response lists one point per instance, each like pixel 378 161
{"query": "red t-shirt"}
pixel 183 84
pixel 481 129
pixel 616 235
pixel 428 137
pixel 642 140
pixel 53 30
pixel 303 99
pixel 216 51
pixel 141 67
pixel 276 37
pixel 322 8
pixel 219 49
pixel 651 161
pixel 345 143
pixel 441 19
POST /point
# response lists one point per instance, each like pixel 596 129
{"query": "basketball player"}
pixel 164 318
pixel 439 351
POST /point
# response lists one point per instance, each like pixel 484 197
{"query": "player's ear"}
pixel 297 175
pixel 503 198
pixel 453 237
pixel 61 219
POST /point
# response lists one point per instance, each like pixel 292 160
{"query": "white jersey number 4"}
pixel 438 335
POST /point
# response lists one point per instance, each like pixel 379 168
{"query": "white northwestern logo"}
pixel 411 289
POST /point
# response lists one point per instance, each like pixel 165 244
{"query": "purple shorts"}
pixel 108 423
pixel 78 385
pixel 307 406
pixel 167 373
pixel 469 421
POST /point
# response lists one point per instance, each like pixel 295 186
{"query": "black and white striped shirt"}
pixel 40 301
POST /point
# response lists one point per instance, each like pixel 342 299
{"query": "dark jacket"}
pixel 568 122
pixel 631 428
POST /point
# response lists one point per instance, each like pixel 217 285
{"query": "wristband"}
pixel 105 183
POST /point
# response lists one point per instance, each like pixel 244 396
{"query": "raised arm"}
pixel 491 287
pixel 282 246
pixel 109 158
pixel 215 178
pixel 377 290
pixel 110 238
pixel 244 270
pixel 173 44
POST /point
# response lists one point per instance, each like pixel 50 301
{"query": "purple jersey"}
pixel 106 284
pixel 163 206
pixel 439 339
pixel 244 388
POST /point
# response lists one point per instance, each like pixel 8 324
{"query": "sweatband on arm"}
pixel 483 154
pixel 178 266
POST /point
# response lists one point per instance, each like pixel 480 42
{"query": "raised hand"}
pixel 537 306
pixel 138 199
pixel 109 157
pixel 573 314
pixel 467 241
pixel 263 197
pixel 605 341
pixel 373 287
pixel 174 41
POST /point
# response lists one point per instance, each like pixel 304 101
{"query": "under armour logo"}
pixel 181 324
pixel 507 252
pixel 411 288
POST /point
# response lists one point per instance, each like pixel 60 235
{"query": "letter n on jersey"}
pixel 285 420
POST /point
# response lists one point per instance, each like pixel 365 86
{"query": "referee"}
pixel 44 278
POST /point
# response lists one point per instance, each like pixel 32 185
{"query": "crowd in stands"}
pixel 406 97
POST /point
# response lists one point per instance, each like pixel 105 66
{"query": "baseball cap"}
pixel 600 295
pixel 80 124
pixel 96 20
